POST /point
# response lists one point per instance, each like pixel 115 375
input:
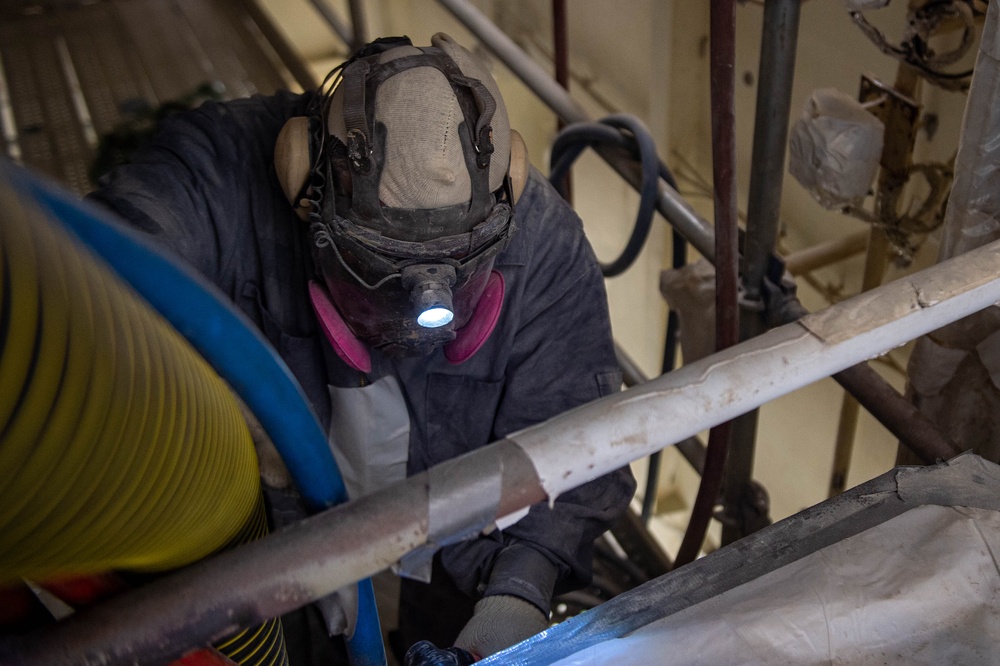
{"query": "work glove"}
pixel 499 622
pixel 426 653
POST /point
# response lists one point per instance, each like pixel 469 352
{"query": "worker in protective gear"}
pixel 426 286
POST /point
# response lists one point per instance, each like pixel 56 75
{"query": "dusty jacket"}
pixel 206 189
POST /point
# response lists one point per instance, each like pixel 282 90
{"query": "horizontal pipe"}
pixel 213 598
pixel 296 566
pixel 670 204
pixel 691 449
pixel 824 254
pixel 580 445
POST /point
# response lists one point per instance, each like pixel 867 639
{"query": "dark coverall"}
pixel 207 190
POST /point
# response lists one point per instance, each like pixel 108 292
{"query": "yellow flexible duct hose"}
pixel 120 448
pixel 263 645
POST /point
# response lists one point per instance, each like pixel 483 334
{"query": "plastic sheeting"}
pixel 690 290
pixel 921 588
pixel 901 569
pixel 835 147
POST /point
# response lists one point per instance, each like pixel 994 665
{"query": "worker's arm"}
pixel 204 189
pixel 562 356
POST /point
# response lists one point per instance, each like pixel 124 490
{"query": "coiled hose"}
pixel 120 448
pixel 627 133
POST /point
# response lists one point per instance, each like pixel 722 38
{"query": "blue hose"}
pixel 236 350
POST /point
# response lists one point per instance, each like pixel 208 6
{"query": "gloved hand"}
pixel 426 653
pixel 499 622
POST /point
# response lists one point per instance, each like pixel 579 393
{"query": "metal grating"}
pixel 69 67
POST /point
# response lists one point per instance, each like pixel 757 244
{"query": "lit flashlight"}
pixel 430 290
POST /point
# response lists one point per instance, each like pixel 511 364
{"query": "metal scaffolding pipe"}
pixel 344 31
pixel 311 559
pixel 560 41
pixel 776 73
pixel 915 429
pixel 775 76
pixel 670 204
pixel 824 254
pixel 359 23
pixel 282 47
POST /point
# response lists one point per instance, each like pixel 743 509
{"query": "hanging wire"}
pixel 915 49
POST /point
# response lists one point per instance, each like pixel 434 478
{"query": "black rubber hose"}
pixel 628 133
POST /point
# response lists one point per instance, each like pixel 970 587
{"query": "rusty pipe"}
pixel 727 313
pixel 215 597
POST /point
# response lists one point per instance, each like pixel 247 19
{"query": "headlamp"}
pixel 429 286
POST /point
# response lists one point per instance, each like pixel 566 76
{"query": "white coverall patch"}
pixel 369 435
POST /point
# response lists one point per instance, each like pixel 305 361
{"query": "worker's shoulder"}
pixel 248 117
pixel 546 225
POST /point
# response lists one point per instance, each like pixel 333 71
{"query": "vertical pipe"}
pixel 560 42
pixel 876 263
pixel 776 73
pixel 775 76
pixel 723 83
pixel 893 175
pixel 679 259
pixel 359 22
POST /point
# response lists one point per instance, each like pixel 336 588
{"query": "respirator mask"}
pixel 409 198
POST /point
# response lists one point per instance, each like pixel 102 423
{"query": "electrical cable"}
pixel 915 49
